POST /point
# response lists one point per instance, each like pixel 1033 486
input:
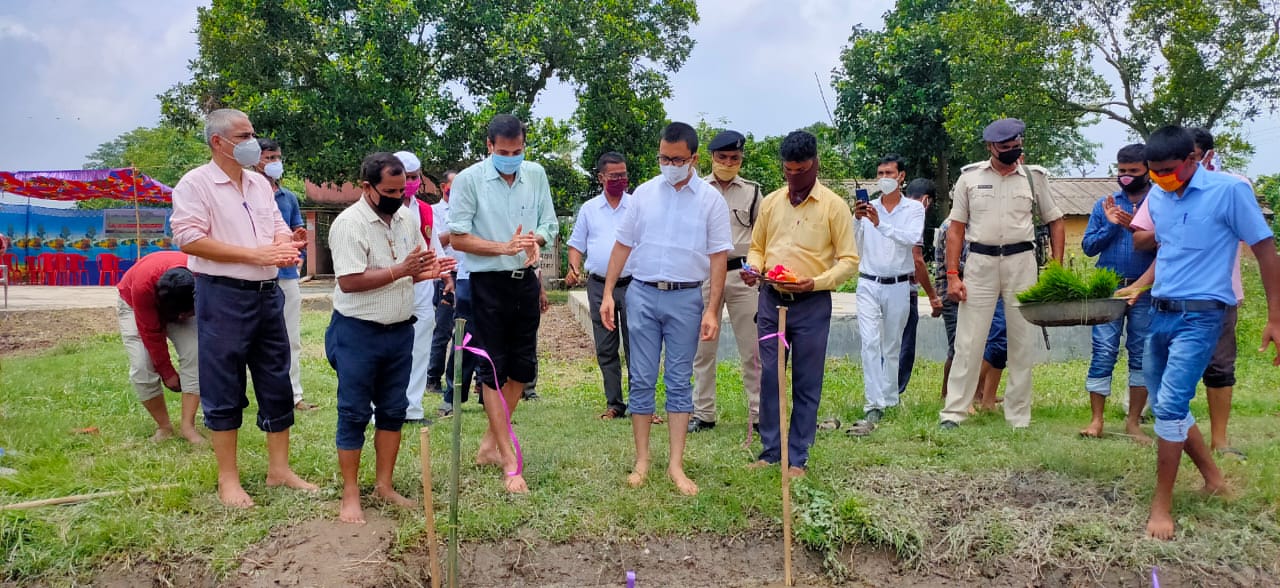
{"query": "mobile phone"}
pixel 862 195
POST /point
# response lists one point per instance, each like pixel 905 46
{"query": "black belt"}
pixel 1166 305
pixel 1001 250
pixel 518 274
pixel 892 280
pixel 737 263
pixel 672 285
pixel 237 283
pixel 1126 282
pixel 791 297
pixel 621 283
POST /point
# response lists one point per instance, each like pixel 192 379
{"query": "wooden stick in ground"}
pixel 455 472
pixel 786 461
pixel 428 504
pixel 82 497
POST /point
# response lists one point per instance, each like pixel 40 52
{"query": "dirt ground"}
pixel 560 337
pixel 33 330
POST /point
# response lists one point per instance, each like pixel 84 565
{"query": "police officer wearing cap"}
pixel 743 197
pixel 992 210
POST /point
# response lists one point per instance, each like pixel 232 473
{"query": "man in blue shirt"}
pixel 501 216
pixel 1110 237
pixel 271 164
pixel 1199 219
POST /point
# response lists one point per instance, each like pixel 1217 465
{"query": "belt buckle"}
pixel 266 285
pixel 517 274
pixel 664 286
pixel 786 296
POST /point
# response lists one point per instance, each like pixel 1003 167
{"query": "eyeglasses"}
pixel 241 137
pixel 620 176
pixel 676 161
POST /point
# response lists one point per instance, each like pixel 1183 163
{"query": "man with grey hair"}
pixel 227 221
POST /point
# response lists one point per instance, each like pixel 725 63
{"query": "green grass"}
pixel 983 494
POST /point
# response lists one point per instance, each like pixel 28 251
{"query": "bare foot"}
pixel 759 465
pixel 233 495
pixel 1218 489
pixel 1160 526
pixel 162 435
pixel 796 472
pixel 683 483
pixel 1093 431
pixel 389 494
pixel 488 455
pixel 973 409
pixel 515 484
pixel 194 437
pixel 638 474
pixel 1139 436
pixel 985 407
pixel 350 511
pixel 291 480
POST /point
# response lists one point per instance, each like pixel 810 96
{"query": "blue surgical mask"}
pixel 507 164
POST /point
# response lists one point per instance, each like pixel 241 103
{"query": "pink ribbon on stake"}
pixel 515 443
pixel 780 336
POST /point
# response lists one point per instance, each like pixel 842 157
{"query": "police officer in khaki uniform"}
pixel 992 209
pixel 743 197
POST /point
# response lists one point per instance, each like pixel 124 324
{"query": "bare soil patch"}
pixel 33 330
pixel 561 338
pixel 322 552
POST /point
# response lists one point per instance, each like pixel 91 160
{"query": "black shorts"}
pixel 506 315
pixel 1221 372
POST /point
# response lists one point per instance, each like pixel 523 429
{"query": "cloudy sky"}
pixel 80 72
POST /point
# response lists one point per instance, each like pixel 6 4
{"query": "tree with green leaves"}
pixel 617 115
pixel 162 152
pixel 762 163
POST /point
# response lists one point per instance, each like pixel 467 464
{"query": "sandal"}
pixel 1233 452
pixel 860 429
pixel 829 424
pixel 609 414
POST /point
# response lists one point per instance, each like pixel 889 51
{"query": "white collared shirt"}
pixel 886 248
pixel 595 232
pixel 672 233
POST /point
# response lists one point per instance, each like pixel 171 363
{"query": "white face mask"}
pixel 674 174
pixel 246 153
pixel 887 185
pixel 274 170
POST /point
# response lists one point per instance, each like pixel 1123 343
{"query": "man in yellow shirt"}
pixel 807 228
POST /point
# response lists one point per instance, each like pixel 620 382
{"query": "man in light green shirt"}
pixel 500 217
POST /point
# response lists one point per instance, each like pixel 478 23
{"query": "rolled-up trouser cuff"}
pixel 1098 385
pixel 1174 430
pixel 1136 380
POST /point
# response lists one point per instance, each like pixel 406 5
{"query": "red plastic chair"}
pixel 77 273
pixel 46 269
pixel 108 269
pixel 61 269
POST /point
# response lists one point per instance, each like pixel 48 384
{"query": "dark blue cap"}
pixel 1005 129
pixel 727 141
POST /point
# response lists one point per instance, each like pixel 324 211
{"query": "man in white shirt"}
pixel 676 236
pixel 420 214
pixel 886 229
pixel 594 234
pixel 446 291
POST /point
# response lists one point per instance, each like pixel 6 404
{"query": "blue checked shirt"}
pixel 1113 244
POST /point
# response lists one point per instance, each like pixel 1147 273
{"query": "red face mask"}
pixel 615 187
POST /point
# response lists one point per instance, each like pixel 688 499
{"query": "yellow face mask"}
pixel 1169 182
pixel 723 172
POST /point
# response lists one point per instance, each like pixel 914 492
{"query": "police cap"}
pixel 1005 129
pixel 727 141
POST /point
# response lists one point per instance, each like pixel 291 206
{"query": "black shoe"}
pixel 948 425
pixel 530 395
pixel 434 388
pixel 873 416
pixel 696 424
pixel 422 422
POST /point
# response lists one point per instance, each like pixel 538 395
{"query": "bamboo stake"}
pixel 82 497
pixel 459 332
pixel 428 504
pixel 786 461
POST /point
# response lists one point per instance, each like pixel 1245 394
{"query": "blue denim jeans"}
pixel 656 320
pixel 997 351
pixel 1136 322
pixel 1179 347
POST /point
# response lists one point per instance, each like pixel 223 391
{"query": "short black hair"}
pixel 895 159
pixel 1135 153
pixel 1203 138
pixel 922 187
pixel 1170 143
pixel 268 144
pixel 608 158
pixel 799 146
pixel 678 131
pixel 505 126
pixel 175 293
pixel 378 165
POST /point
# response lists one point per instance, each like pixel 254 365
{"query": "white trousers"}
pixel 883 310
pixel 422 330
pixel 293 324
pixel 142 372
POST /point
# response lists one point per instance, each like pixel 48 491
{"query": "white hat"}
pixel 410 161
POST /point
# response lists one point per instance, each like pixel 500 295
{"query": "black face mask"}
pixel 387 205
pixel 1009 157
pixel 1138 184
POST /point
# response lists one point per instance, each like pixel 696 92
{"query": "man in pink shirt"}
pixel 227 221
pixel 1220 377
